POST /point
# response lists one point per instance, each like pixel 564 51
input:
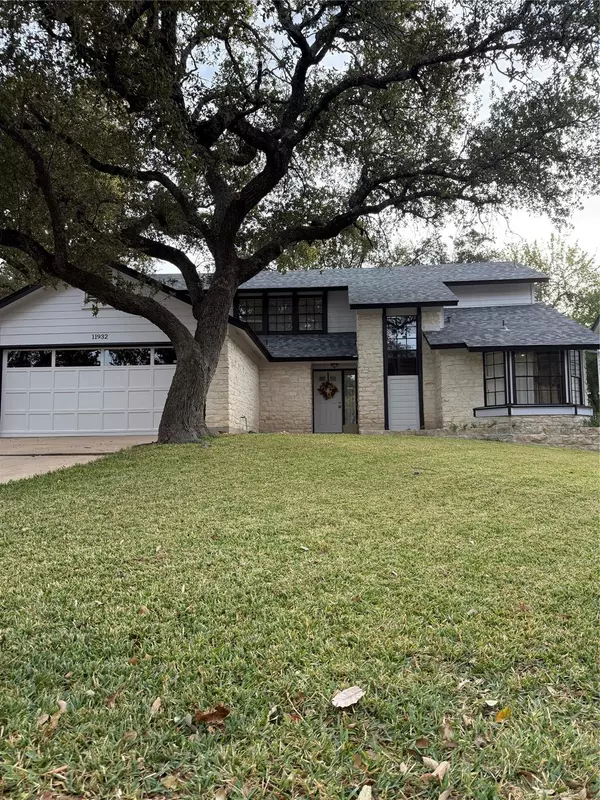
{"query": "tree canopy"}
pixel 235 135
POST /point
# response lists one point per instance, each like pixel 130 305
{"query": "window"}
pixel 78 358
pixel 401 343
pixel 538 378
pixel 164 355
pixel 494 379
pixel 575 377
pixel 310 313
pixel 349 392
pixel 280 314
pixel 250 311
pixel 29 358
pixel 127 357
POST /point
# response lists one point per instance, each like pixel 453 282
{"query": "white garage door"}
pixel 84 390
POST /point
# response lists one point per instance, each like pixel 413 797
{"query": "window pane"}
pixel 310 313
pixel 127 357
pixel 280 314
pixel 401 342
pixel 250 311
pixel 78 358
pixel 575 377
pixel 350 398
pixel 164 355
pixel 29 358
pixel 495 389
pixel 539 378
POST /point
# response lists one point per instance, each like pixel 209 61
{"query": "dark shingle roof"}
pixel 311 345
pixel 535 325
pixel 395 285
pixel 384 285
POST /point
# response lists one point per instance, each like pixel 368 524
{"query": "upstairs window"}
pixel 401 344
pixel 250 311
pixel 494 379
pixel 539 378
pixel 310 313
pixel 280 314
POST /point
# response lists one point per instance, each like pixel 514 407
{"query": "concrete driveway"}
pixel 22 458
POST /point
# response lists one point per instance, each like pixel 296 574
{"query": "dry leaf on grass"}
pixel 445 794
pixel 430 763
pixel 222 793
pixel 347 697
pixel 156 706
pixel 491 703
pixel 215 716
pixel 143 610
pixel 503 714
pixel 129 736
pixel 403 768
pixel 170 782
pixel 441 770
pixel 422 743
pixel 468 721
pixel 52 721
pixel 366 793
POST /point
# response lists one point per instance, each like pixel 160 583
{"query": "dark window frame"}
pixel 296 295
pixel 107 350
pixel 98 350
pixel 398 363
pixel 561 395
pixel 494 378
pixel 261 314
pixel 575 379
pixel 40 350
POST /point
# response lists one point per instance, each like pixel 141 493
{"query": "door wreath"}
pixel 327 390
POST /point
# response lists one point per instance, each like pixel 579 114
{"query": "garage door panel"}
pixel 140 378
pixel 83 400
pixel 40 401
pixel 15 401
pixel 115 378
pixel 139 400
pixel 63 423
pixel 87 421
pixel 89 401
pixel 41 379
pixel 90 378
pixel 114 421
pixel 40 423
pixel 65 379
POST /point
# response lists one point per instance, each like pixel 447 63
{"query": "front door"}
pixel 327 388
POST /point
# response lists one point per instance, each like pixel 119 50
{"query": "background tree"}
pixel 237 134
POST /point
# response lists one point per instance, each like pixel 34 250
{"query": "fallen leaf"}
pixel 403 768
pixel 68 675
pixel 129 736
pixel 42 720
pixel 155 707
pixel 62 707
pixel 135 660
pixel 347 697
pixel 445 794
pixel 302 547
pixel 464 683
pixel 170 782
pixel 222 793
pixel 491 703
pixel 503 714
pixel 528 775
pixel 357 761
pixel 446 731
pixel 216 715
pixel 366 793
pixel 467 721
pixel 430 763
pixel 57 770
pixel 480 741
pixel 272 715
pixel 441 770
pixel 143 610
pixel 525 608
pixel 422 743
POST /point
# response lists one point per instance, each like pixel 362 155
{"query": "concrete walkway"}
pixel 24 457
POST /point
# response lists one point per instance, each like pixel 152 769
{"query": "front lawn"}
pixel 451 580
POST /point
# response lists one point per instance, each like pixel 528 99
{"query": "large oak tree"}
pixel 235 135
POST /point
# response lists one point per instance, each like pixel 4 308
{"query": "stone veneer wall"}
pixel 461 385
pixel 234 391
pixel 286 397
pixel 244 395
pixel 369 344
pixel 431 320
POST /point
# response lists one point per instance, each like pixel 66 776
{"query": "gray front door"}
pixel 327 389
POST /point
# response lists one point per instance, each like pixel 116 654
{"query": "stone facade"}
pixel 460 384
pixel 369 344
pixel 286 402
pixel 232 404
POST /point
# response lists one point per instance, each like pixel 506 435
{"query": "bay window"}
pixel 539 378
pixel 494 378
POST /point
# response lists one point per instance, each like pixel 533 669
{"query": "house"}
pixel 338 350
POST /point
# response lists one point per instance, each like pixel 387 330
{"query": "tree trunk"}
pixel 183 418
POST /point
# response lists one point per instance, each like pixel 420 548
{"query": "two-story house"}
pixel 332 351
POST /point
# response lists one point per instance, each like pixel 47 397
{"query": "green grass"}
pixel 433 573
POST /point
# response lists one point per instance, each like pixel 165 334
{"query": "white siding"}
pixel 340 317
pixel 403 402
pixel 494 294
pixel 59 316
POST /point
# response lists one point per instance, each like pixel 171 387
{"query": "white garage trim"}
pixel 80 400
